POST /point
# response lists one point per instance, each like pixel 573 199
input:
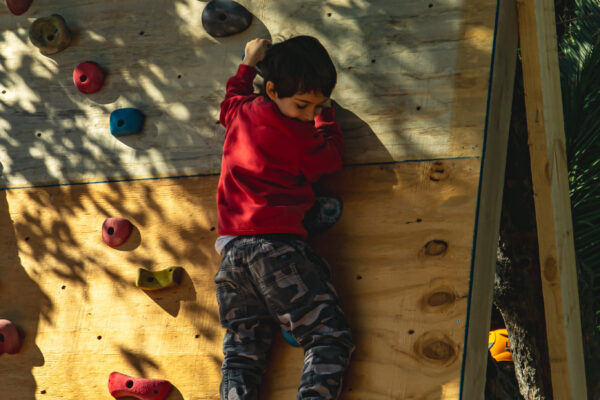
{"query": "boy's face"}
pixel 302 106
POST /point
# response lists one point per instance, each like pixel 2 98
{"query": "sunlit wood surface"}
pixel 400 257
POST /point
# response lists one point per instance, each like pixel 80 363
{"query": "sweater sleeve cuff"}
pixel 327 115
pixel 246 72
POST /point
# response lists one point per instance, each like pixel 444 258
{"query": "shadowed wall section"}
pixel 411 100
pixel 413 79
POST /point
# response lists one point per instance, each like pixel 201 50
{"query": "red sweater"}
pixel 269 162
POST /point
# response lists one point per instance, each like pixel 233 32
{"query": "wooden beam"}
pixel 490 201
pixel 551 194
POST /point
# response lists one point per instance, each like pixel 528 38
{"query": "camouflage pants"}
pixel 264 283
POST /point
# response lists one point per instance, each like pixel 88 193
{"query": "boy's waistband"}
pixel 268 236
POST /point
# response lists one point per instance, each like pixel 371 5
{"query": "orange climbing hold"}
pixel 499 346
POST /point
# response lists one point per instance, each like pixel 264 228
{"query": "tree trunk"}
pixel 517 286
pixel 500 381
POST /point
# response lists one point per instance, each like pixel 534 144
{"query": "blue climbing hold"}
pixel 126 121
pixel 289 338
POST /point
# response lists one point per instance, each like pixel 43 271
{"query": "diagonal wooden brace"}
pixel 120 385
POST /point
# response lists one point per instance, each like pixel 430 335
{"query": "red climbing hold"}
pixel 88 77
pixel 116 231
pixel 10 342
pixel 18 7
pixel 120 385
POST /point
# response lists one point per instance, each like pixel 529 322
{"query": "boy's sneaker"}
pixel 323 215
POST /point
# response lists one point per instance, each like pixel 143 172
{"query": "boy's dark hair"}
pixel 299 65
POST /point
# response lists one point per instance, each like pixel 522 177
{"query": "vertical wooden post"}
pixel 490 201
pixel 545 125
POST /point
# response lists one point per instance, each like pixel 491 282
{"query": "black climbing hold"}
pixel 50 34
pixel 225 17
pixel 323 215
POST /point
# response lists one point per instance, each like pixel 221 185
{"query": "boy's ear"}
pixel 270 90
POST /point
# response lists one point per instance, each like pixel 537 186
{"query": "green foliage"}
pixel 579 50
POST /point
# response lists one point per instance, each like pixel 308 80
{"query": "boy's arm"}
pixel 239 87
pixel 324 155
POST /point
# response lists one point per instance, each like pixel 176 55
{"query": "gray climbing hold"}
pixel 225 17
pixel 323 215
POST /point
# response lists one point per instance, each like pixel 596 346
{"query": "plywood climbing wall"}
pixel 411 100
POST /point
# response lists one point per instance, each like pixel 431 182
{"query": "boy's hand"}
pixel 255 51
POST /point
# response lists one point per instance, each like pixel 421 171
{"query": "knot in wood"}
pixel 436 348
pixel 440 298
pixel 550 269
pixel 435 247
pixel 438 171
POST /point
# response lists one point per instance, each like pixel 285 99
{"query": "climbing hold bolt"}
pixel 289 338
pixel 126 121
pixel 225 17
pixel 10 342
pixel 115 231
pixel 50 34
pixel 18 7
pixel 88 77
pixel 154 280
pixel 120 385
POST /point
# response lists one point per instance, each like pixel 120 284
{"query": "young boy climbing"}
pixel 276 144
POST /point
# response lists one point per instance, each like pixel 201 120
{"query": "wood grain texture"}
pixel 413 82
pixel 400 255
pixel 545 125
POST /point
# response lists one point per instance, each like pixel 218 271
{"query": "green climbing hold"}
pixel 50 34
pixel 155 280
